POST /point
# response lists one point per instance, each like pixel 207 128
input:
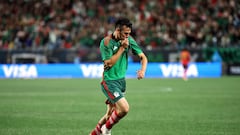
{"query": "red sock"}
pixel 97 130
pixel 113 119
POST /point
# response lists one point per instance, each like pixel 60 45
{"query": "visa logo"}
pixel 92 70
pixel 20 71
pixel 176 70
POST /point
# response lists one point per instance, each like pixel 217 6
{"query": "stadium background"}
pixel 57 31
pixel 59 39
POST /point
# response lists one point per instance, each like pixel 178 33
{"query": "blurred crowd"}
pixel 76 24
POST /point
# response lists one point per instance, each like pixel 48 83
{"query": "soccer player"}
pixel 185 59
pixel 114 51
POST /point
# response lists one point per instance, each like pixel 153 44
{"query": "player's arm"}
pixel 144 61
pixel 110 62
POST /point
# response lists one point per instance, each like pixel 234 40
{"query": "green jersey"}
pixel 118 70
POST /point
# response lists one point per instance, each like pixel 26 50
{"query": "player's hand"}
pixel 140 74
pixel 125 43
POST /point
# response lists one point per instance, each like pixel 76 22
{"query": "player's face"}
pixel 124 32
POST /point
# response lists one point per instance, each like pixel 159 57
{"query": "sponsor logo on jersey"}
pixel 115 48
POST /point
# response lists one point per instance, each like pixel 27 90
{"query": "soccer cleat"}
pixel 105 131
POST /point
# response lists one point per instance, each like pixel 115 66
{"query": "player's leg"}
pixel 102 121
pixel 110 109
pixel 121 109
pixel 185 67
pixel 114 90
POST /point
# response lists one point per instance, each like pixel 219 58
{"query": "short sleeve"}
pixel 106 51
pixel 135 47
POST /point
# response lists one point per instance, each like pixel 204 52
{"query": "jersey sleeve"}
pixel 134 46
pixel 106 51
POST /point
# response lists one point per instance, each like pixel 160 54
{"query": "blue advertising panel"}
pixel 94 70
pixel 175 70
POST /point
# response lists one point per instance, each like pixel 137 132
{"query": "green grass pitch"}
pixel 203 106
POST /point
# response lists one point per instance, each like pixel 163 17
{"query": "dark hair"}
pixel 123 21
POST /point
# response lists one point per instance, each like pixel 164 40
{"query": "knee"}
pixel 123 111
